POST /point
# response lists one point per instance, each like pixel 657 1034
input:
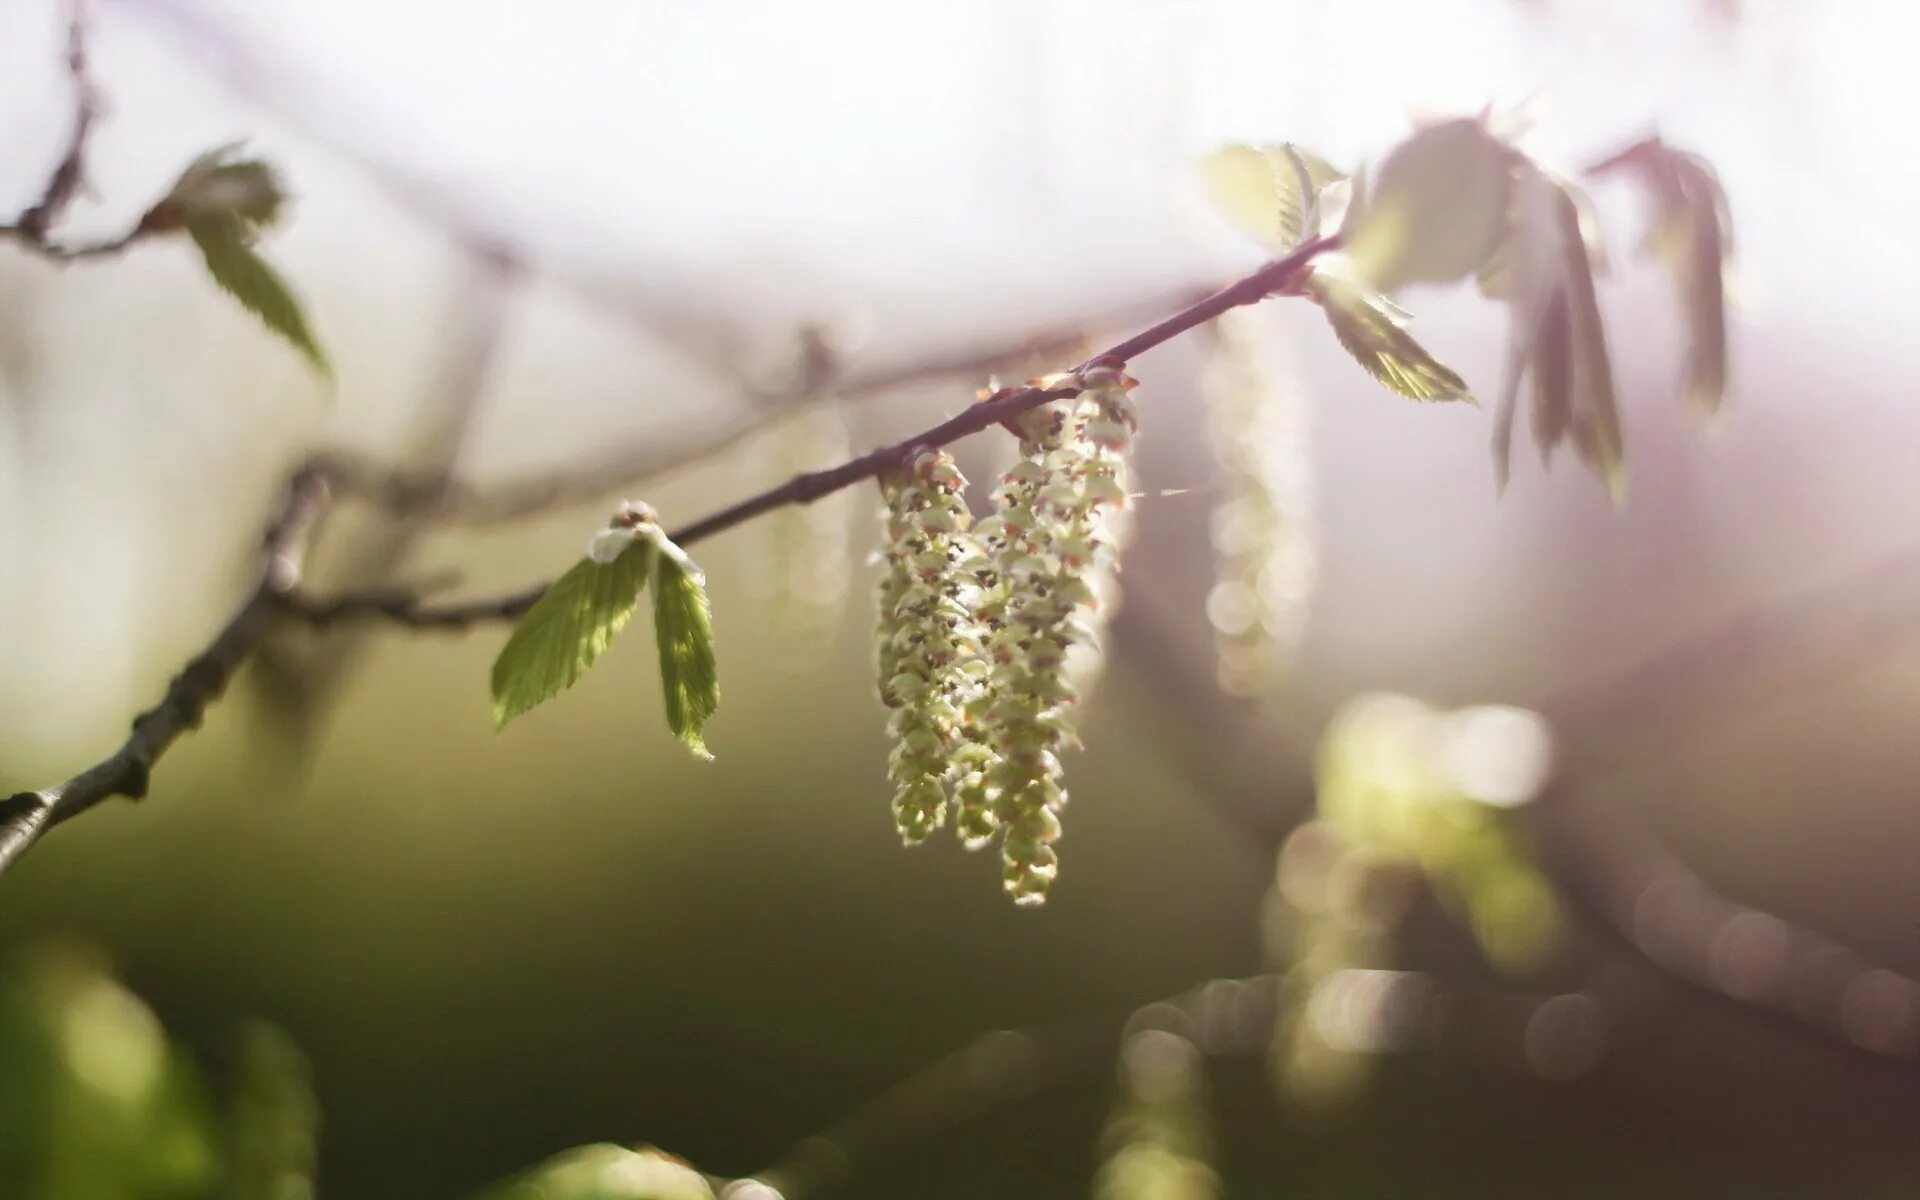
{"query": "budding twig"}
pixel 26 816
pixel 1278 276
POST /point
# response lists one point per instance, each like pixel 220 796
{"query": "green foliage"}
pixel 575 621
pixel 95 1104
pixel 567 629
pixel 1368 326
pixel 1279 194
pixel 224 204
pixel 248 278
pixel 1437 208
pixel 683 625
pixel 273 1119
pixel 1269 193
pixel 1400 782
pixel 606 1172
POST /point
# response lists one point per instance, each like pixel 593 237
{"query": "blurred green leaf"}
pixel 606 1172
pixel 94 1102
pixel 1437 209
pixel 1367 325
pixel 1267 192
pixel 223 239
pixel 1400 781
pixel 567 629
pixel 273 1119
pixel 683 624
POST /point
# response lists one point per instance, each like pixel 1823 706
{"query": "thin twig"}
pixel 1278 276
pixel 464 503
pixel 26 816
pixel 34 225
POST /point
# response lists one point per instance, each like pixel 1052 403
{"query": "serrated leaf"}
pixel 569 627
pixel 1438 208
pixel 248 278
pixel 683 624
pixel 1365 325
pixel 1267 192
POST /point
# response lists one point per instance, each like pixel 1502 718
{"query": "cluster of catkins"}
pixel 976 623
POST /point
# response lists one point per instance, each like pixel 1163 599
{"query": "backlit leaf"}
pixel 1437 210
pixel 1694 233
pixel 1544 270
pixel 1368 327
pixel 1267 192
pixel 683 623
pixel 223 239
pixel 567 629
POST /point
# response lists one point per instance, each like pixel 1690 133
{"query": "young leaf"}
pixel 1267 192
pixel 683 625
pixel 223 241
pixel 1438 207
pixel 1368 327
pixel 1694 234
pixel 1595 411
pixel 1544 269
pixel 567 629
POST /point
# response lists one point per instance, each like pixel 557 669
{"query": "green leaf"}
pixel 1267 192
pixel 683 625
pixel 1368 326
pixel 1438 207
pixel 223 241
pixel 567 629
pixel 274 1117
pixel 606 1172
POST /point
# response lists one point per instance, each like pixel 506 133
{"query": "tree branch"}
pixel 1277 277
pixel 26 816
pixel 32 228
pixel 405 493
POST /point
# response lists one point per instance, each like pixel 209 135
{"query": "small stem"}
pixel 1275 277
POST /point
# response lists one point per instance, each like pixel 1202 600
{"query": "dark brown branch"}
pixel 26 816
pixel 69 175
pixel 1278 276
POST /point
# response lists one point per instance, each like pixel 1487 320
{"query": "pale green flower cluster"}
pixel 927 645
pixel 1052 534
pixel 976 627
